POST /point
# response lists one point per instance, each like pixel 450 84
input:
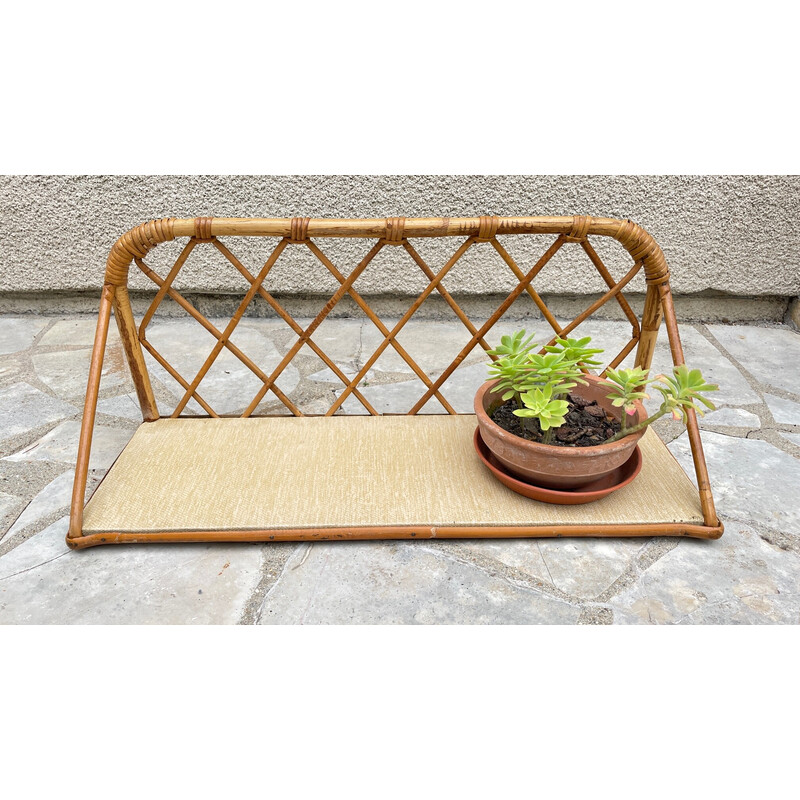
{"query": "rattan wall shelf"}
pixel 255 478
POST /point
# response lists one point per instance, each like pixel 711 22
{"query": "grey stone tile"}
pixel 583 568
pixel 61 444
pixel 399 583
pixel 784 412
pixel 78 332
pixel 730 418
pixel 46 545
pixel 460 387
pixel 10 372
pixel 431 344
pixel 56 495
pixel 750 479
pixel 520 554
pixel 24 408
pixel 17 334
pixel 327 375
pixel 771 355
pixel 399 398
pixel 320 405
pixel 43 582
pixel 794 438
pixel 125 406
pixel 67 372
pixel 372 376
pixel 339 339
pixel 739 578
pixel 7 502
pixel 229 385
pixel 587 567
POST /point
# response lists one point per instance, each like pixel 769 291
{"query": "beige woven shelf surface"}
pixel 347 472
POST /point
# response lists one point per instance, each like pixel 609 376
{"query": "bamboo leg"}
pixel 89 411
pixel 651 322
pixel 133 352
pixel 706 498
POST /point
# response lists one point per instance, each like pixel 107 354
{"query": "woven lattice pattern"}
pixel 394 237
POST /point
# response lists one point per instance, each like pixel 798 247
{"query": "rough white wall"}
pixel 736 234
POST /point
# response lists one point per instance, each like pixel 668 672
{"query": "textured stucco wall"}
pixel 734 234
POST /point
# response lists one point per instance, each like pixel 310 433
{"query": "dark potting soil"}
pixel 586 424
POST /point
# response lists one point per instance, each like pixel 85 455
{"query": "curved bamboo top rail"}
pixel 137 242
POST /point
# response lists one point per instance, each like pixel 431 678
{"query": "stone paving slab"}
pixel 18 334
pixel 229 384
pixel 783 411
pixel 61 444
pixel 739 578
pixel 54 497
pixel 770 354
pixel 794 438
pixel 751 479
pixel 67 372
pixel 725 417
pixel 42 581
pixel 25 408
pixel 752 445
pixel 8 505
pixel 584 569
pixel 400 583
pixel 79 333
pixel 125 406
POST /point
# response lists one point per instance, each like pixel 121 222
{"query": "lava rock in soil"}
pixel 585 424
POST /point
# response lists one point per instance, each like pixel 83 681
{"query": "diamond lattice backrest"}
pixel 270 374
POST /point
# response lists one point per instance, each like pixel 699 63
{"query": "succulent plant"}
pixel 539 382
pixel 539 403
pixel 680 391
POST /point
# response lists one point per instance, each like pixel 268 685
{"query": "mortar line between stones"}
pixel 357 358
pixel 254 617
pixel 755 385
pixel 14 522
pixel 544 561
pixel 35 566
pixel 770 430
pixel 315 590
pixel 497 569
pixel 640 563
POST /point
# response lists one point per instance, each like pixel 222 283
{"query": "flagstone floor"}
pixel 752 445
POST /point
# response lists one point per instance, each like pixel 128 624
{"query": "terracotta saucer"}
pixel 620 477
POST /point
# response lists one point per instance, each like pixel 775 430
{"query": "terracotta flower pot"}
pixel 549 465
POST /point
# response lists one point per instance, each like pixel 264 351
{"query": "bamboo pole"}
pixel 123 314
pixel 692 428
pixel 402 532
pixel 420 226
pixel 651 321
pixel 89 411
pixel 137 242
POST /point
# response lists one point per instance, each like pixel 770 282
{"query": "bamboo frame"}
pixel 134 246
